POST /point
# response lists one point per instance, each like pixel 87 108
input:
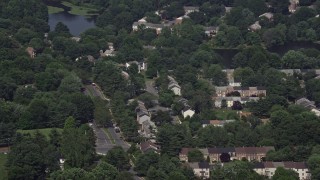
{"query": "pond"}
pixel 76 23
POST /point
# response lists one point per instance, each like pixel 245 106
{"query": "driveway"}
pixel 150 87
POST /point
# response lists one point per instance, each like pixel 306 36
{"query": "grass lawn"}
pixel 3 172
pixel 52 10
pixel 225 114
pixel 45 131
pixel 80 10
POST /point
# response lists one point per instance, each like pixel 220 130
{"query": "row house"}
pixel 269 168
pixel 174 86
pixel 200 169
pixel 223 91
pixel 215 123
pixel 217 154
pixel 146 126
pixel 230 100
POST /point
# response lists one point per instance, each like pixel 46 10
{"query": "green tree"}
pixel 285 174
pixel 195 156
pixel 118 158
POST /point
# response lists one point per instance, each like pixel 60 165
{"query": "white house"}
pixel 190 9
pixel 269 168
pixel 231 100
pixel 201 169
pixel 187 111
pixel 174 86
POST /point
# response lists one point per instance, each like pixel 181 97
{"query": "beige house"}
pixel 235 153
pixel 201 169
pixel 223 91
pixel 269 168
pixel 174 86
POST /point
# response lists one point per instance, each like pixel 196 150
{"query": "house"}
pixel 255 26
pixel 125 75
pixel 306 103
pixel 267 15
pixel 141 65
pixel 190 9
pixel 252 153
pixel 142 113
pixel 230 77
pixel 231 99
pixel 316 111
pixel 269 168
pixel 31 51
pixel 149 47
pixel 215 123
pixel 293 5
pixel 109 52
pixel 228 9
pixel 76 39
pixel 148 146
pixel 183 155
pixel 174 86
pixel 148 129
pixel 224 154
pixel 4 150
pixel 200 169
pixel 290 72
pixel 187 111
pixel 211 31
pixel 223 91
pixel 157 27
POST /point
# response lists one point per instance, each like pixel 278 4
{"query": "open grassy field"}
pixel 53 10
pixel 225 114
pixel 45 131
pixel 3 172
pixel 80 10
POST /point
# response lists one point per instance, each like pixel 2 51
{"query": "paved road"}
pixel 118 140
pixel 150 88
pixel 103 142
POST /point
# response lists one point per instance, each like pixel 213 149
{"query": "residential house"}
pixel 252 153
pixel 174 86
pixel 141 65
pixel 211 31
pixel 157 27
pixel 190 9
pixel 293 5
pixel 4 150
pixel 269 168
pixel 149 47
pixel 267 15
pixel 109 52
pixel 183 155
pixel 142 113
pixel 230 77
pixel 231 99
pixel 148 146
pixel 200 169
pixel 187 111
pixel 316 112
pixel 215 154
pixel 31 51
pixel 215 123
pixel 255 26
pixel 147 128
pixel 76 39
pixel 223 91
pixel 228 9
pixel 306 103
